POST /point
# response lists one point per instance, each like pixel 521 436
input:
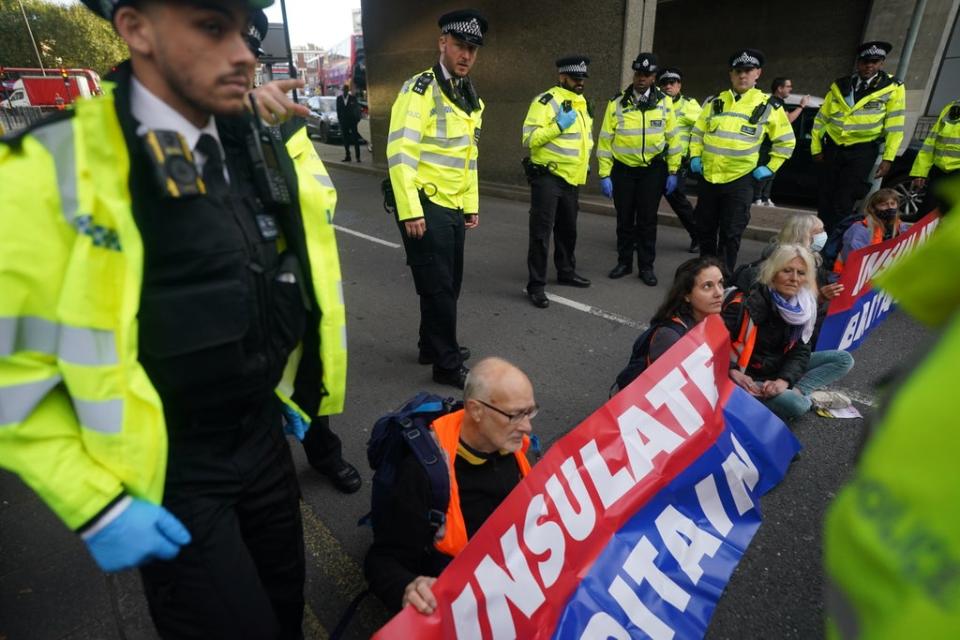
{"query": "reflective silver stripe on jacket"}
pixel 57 138
pixel 446 143
pixel 736 135
pixel 406 132
pixel 562 151
pixel 946 153
pixel 398 159
pixel 443 161
pixel 103 416
pixel 441 109
pixel 555 105
pixel 720 151
pixel 473 165
pixel 895 113
pixel 568 136
pixel 603 153
pixel 18 401
pixel 649 151
pixel 323 180
pixel 948 140
pixel 76 345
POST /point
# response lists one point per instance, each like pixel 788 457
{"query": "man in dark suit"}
pixel 348 113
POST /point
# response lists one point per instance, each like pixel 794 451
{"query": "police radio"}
pixel 265 147
pixel 173 166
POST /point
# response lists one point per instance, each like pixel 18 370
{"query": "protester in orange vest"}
pixel 880 222
pixel 485 445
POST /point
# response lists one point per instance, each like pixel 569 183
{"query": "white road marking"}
pixel 596 311
pixel 386 243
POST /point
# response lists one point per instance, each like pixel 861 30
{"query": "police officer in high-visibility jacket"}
pixel 686 110
pixel 184 301
pixel 859 113
pixel 939 158
pixel 639 156
pixel 725 148
pixel 558 130
pixel 432 156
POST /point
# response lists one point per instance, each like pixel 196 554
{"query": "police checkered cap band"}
pixel 580 67
pixel 745 59
pixel 873 52
pixel 469 27
pixel 669 75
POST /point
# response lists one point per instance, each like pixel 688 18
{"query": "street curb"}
pixel 764 220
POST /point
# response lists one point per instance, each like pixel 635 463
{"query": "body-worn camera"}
pixel 172 163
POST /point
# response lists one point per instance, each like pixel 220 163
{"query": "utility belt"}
pixel 659 159
pixel 828 141
pixel 533 170
pixel 186 420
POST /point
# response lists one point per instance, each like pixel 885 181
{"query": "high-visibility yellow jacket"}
pixel 80 421
pixel 637 137
pixel 566 153
pixel 941 148
pixel 879 113
pixel 686 111
pixel 729 132
pixel 432 145
pixel 891 548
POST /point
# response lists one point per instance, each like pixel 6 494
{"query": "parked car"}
pixel 323 123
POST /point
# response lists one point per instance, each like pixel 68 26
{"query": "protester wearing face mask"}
pixel 772 334
pixel 881 222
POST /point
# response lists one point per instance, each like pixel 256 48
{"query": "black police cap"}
pixel 573 66
pixel 257 31
pixel 669 74
pixel 746 59
pixel 467 25
pixel 646 63
pixel 874 50
pixel 105 8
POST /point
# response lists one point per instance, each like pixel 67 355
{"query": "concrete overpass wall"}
pixel 514 66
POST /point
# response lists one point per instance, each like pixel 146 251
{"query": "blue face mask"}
pixel 818 241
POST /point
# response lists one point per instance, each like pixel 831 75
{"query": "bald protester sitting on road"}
pixel 487 441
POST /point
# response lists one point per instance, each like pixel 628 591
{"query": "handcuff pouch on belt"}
pixel 534 170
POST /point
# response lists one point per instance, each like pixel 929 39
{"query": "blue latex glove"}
pixel 294 424
pixel 141 533
pixel 606 187
pixel 762 173
pixel 566 118
pixel 696 165
pixel 671 185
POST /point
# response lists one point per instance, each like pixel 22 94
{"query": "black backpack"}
pixel 831 250
pixel 400 433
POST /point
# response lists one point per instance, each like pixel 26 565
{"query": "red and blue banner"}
pixel 860 308
pixel 632 523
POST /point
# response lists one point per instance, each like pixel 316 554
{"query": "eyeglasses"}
pixel 514 418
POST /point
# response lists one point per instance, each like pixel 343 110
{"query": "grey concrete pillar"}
pixel 639 20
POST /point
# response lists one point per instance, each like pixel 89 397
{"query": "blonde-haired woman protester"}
pixel 880 222
pixel 771 328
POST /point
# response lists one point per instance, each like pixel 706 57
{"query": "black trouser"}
pixel 553 210
pixel 930 199
pixel 843 177
pixel 723 212
pixel 762 189
pixel 348 130
pixel 322 446
pixel 436 261
pixel 681 204
pixel 636 197
pixel 235 489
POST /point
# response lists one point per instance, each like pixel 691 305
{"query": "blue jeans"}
pixel 824 368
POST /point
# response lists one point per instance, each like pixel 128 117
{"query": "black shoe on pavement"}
pixel 347 159
pixel 648 277
pixel 694 246
pixel 453 377
pixel 425 358
pixel 619 271
pixel 344 477
pixel 539 299
pixel 574 280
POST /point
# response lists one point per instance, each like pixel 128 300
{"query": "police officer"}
pixel 686 110
pixel 938 158
pixel 170 322
pixel 432 156
pixel 859 113
pixel 639 155
pixel 558 130
pixel 725 149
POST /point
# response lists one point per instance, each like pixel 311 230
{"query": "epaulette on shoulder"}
pixel 15 138
pixel 545 98
pixel 423 81
pixel 775 102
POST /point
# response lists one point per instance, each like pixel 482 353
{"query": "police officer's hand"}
pixel 471 220
pixel 415 228
pixel 606 187
pixel 671 185
pixel 762 173
pixel 918 183
pixel 274 105
pixel 140 533
pixel 883 169
pixel 696 165
pixel 566 118
pixel 419 595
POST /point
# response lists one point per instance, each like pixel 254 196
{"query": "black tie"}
pixel 213 166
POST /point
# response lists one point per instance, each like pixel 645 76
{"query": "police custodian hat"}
pixel 467 25
pixel 669 74
pixel 746 59
pixel 874 50
pixel 575 66
pixel 646 63
pixel 105 8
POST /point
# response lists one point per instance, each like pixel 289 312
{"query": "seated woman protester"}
pixel 771 329
pixel 697 292
pixel 881 222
